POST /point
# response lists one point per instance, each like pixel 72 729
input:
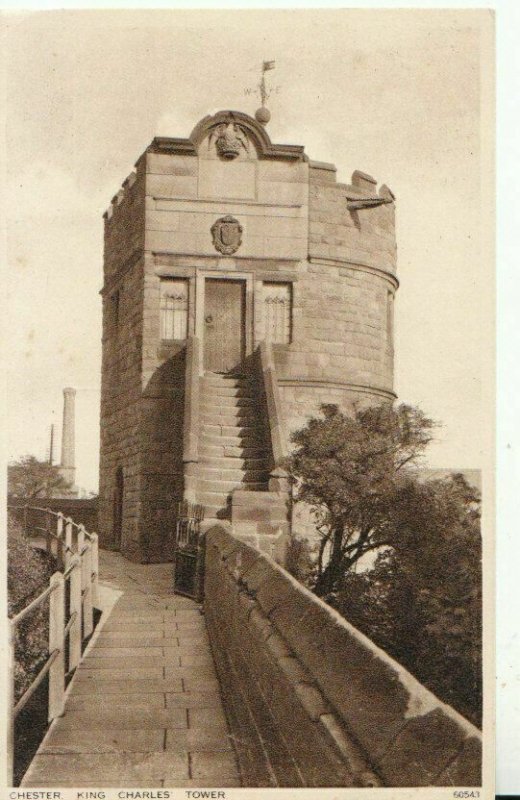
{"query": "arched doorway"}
pixel 118 508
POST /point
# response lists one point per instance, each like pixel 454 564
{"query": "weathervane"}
pixel 263 115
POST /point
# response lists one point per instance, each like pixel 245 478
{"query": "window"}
pixel 174 308
pixel 277 312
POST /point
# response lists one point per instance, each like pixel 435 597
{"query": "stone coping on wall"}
pixel 273 402
pixel 389 729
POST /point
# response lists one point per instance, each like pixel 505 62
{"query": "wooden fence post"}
pixel 80 540
pixel 48 537
pixel 95 570
pixel 56 631
pixel 68 542
pixel 10 703
pixel 75 608
pixel 86 583
pixel 60 544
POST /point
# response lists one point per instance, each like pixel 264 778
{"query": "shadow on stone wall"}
pixel 160 434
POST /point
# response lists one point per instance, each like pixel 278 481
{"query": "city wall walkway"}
pixel 144 707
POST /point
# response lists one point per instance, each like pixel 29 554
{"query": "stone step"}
pixel 227 391
pixel 227 410
pixel 219 501
pixel 213 399
pixel 213 500
pixel 226 381
pixel 239 477
pixel 240 432
pixel 230 420
pixel 238 451
pixel 240 420
pixel 223 487
pixel 215 515
pixel 211 461
pixel 212 436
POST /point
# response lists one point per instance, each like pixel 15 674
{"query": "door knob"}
pixel 209 319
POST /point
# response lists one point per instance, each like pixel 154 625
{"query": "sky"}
pixel 395 93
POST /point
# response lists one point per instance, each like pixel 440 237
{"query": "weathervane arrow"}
pixel 263 115
pixel 264 94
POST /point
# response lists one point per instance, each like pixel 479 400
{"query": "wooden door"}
pixel 224 329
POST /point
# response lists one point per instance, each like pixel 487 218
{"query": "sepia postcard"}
pixel 250 404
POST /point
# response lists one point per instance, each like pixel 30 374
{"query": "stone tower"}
pixel 243 287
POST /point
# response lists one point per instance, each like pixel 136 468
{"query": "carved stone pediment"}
pixel 252 137
pixel 230 139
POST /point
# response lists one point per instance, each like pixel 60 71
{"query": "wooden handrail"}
pixel 72 619
pixel 72 566
pixel 81 567
pixel 24 699
pixel 51 513
pixel 33 604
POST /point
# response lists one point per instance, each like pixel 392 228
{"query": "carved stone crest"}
pixel 229 139
pixel 227 235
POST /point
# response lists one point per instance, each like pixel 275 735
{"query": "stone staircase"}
pixel 233 448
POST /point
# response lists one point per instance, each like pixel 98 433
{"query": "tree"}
pixel 419 594
pixel 29 478
pixel 352 472
pixel 422 599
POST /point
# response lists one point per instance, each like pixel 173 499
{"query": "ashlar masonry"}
pixel 243 287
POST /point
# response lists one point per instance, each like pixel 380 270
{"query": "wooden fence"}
pixel 73 595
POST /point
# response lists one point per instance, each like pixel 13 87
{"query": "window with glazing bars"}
pixel 174 308
pixel 277 312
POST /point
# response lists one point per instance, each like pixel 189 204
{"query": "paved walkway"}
pixel 144 707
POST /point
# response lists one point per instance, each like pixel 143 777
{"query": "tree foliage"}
pixel 400 558
pixel 422 599
pixel 28 478
pixel 350 470
pixel 28 573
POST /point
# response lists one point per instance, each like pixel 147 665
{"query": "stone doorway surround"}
pixel 200 296
pixel 224 325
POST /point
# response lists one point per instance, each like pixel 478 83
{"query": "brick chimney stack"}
pixel 68 463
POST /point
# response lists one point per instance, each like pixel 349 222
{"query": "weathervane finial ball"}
pixel 263 115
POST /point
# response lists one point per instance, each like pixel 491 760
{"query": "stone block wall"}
pixel 160 443
pixel 125 224
pixel 262 519
pixel 186 194
pixel 364 237
pixel 310 700
pixel 122 297
pixel 342 349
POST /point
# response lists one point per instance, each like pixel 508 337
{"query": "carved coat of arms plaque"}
pixel 227 235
